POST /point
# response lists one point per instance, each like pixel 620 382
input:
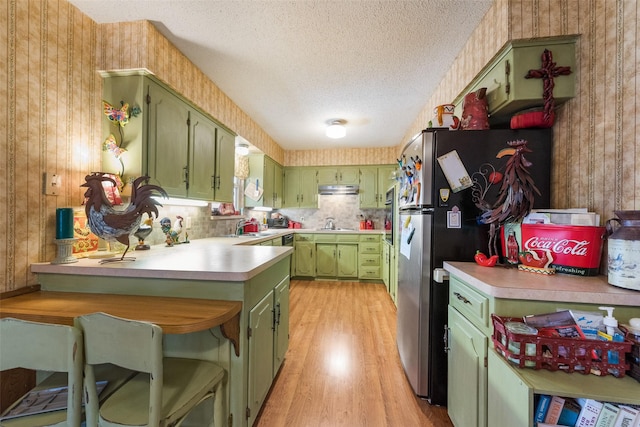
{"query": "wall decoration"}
pixel 118 117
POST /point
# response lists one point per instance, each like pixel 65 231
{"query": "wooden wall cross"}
pixel 547 73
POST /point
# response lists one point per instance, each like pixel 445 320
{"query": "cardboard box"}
pixel 575 249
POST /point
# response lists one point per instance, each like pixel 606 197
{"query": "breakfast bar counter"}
pixel 250 346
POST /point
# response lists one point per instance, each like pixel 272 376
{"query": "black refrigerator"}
pixel 443 173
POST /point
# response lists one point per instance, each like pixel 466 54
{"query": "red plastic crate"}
pixel 554 354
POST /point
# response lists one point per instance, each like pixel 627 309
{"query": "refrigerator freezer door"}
pixel 416 188
pixel 413 299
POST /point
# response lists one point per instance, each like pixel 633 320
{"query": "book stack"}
pixel 554 411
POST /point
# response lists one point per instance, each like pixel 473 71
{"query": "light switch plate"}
pixel 52 184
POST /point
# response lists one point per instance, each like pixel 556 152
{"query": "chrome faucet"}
pixel 329 225
pixel 239 225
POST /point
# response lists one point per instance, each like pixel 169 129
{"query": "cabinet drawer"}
pixel 369 238
pixel 367 260
pixel 369 272
pixel 369 248
pixel 325 238
pixel 472 304
pixel 346 238
pixel 303 237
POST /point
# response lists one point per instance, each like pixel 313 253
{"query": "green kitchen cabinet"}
pixel 300 187
pixel 486 390
pixel 467 383
pixel 267 174
pixel 341 175
pixel 374 183
pixel 369 257
pixel 508 91
pixel 305 255
pixel 179 147
pixel 336 260
pixel 386 264
pixel 268 335
pixel 210 168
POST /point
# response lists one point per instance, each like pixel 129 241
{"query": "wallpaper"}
pixel 51 53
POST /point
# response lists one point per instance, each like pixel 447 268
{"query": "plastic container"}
pixel 564 354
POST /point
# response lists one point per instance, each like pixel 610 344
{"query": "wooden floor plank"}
pixel 342 367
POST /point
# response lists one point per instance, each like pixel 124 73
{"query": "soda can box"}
pixel 573 249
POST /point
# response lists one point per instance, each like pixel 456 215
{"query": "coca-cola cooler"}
pixel 574 249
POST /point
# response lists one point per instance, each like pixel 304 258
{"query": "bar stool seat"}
pixel 164 390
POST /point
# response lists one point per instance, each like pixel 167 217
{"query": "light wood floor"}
pixel 342 367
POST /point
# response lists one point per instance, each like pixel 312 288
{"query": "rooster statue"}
pixel 116 225
pixel 516 194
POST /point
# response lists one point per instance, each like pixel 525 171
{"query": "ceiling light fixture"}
pixel 242 149
pixel 336 129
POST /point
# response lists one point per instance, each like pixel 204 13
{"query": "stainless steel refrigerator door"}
pixel 413 298
pixel 418 161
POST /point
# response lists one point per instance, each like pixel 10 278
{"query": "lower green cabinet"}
pixel 467 383
pixel 268 341
pixel 336 260
pixel 304 252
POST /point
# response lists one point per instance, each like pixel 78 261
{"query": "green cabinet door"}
pixel 508 397
pixel 225 155
pixel 168 159
pixel 300 187
pixel 281 339
pixel 342 175
pixel 467 383
pixel 347 260
pixel 278 185
pixel 305 259
pixel 368 192
pixel 326 260
pixel 386 179
pixel 260 352
pixel 202 157
pixel 386 263
pixel 266 173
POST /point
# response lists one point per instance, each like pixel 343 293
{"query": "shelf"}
pixel 608 388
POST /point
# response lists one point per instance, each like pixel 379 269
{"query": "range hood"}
pixel 337 189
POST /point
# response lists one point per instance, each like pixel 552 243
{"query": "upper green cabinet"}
pixel 343 175
pixel 508 91
pixel 180 148
pixel 267 174
pixel 300 187
pixel 374 183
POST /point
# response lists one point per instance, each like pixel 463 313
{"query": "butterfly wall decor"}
pixel 111 146
pixel 118 116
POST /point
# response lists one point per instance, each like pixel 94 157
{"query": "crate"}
pixel 634 357
pixel 560 354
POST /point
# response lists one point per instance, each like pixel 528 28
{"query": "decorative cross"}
pixel 547 73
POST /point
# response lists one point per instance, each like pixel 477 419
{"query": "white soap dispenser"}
pixel 610 322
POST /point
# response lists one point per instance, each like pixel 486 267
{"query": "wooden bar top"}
pixel 173 315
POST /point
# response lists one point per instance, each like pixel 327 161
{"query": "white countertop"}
pixel 216 259
pixel 510 283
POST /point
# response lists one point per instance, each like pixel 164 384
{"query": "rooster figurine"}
pixel 516 194
pixel 142 233
pixel 114 225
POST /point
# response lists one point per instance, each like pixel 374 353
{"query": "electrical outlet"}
pixel 301 219
pixel 188 223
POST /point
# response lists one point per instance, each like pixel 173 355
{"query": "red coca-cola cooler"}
pixel 574 249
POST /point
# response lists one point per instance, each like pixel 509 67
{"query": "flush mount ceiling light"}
pixel 242 149
pixel 336 129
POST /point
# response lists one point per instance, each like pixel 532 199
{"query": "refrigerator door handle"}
pixel 445 338
pixel 440 275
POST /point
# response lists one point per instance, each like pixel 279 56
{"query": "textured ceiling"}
pixel 294 65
